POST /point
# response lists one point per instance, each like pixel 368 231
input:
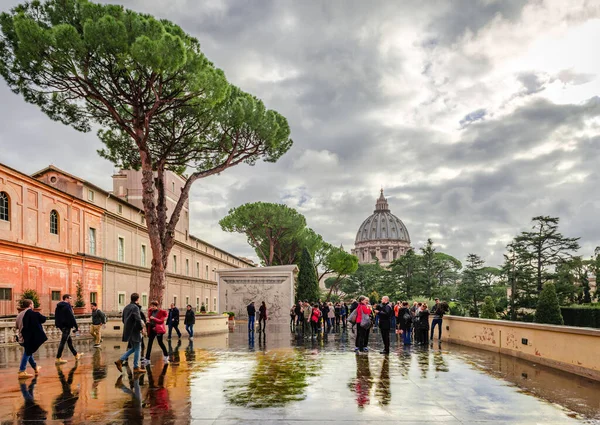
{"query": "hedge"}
pixel 582 316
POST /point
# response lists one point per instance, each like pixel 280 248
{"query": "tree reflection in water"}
pixel 279 377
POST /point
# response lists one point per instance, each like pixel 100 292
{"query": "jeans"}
pixel 135 350
pixel 176 327
pixel 251 320
pixel 159 339
pixel 437 322
pixel 406 336
pixel 189 329
pixel 27 358
pixel 65 338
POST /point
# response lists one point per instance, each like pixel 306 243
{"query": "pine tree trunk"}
pixel 158 282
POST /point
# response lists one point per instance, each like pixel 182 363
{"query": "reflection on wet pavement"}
pixel 279 377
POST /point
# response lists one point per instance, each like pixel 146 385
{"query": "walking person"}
pixel 98 321
pixel 307 314
pixel 64 319
pixel 362 333
pixel 385 313
pixel 262 317
pixel 31 336
pixel 405 320
pixel 344 315
pixel 156 330
pixel 251 316
pixel 189 321
pixel 133 326
pixel 330 316
pixel 299 316
pixel 173 321
pixel 438 313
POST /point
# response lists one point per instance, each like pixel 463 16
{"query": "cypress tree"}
pixel 308 285
pixel 548 309
pixel 488 311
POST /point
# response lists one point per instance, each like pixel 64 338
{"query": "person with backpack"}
pixel 31 336
pixel 344 315
pixel 156 330
pixel 98 320
pixel 405 321
pixel 363 324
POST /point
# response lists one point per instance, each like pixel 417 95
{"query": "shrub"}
pixel 79 300
pixel 488 311
pixel 587 316
pixel 30 294
pixel 548 309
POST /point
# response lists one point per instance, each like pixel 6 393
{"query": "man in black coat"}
pixel 251 316
pixel 384 313
pixel 64 319
pixel 173 321
pixel 133 326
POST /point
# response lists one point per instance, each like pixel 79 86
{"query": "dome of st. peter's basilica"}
pixel 382 236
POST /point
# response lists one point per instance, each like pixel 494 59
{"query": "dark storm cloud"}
pixel 365 107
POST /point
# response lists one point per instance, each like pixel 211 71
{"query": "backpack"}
pixel 406 316
pixel 352 317
pixel 365 320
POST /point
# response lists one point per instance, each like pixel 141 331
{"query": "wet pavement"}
pixel 277 377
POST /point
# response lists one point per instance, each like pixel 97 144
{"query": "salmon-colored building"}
pixel 43 235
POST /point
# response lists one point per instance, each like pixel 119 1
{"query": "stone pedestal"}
pixel 273 285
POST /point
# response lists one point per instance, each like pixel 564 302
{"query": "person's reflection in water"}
pixel 132 408
pixel 382 391
pixel 174 354
pixel 262 340
pixel 157 399
pixel 405 358
pixel 423 359
pixel 439 362
pixel 251 340
pixel 64 404
pixel 98 371
pixel 31 413
pixel 363 382
pixel 190 354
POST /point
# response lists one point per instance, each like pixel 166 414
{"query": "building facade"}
pixel 382 237
pixel 101 232
pixel 43 233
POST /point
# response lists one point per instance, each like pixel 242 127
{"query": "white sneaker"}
pixel 166 359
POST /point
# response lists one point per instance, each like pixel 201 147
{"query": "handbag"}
pixel 160 329
pixel 365 320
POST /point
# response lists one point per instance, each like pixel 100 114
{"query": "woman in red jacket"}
pixel 156 330
pixel 362 334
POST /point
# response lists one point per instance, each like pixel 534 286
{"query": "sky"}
pixel 473 115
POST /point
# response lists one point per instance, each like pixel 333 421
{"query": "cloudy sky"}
pixel 473 115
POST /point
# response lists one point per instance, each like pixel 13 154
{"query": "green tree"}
pixel 308 286
pixel 548 309
pixel 268 227
pixel 404 271
pixel 545 247
pixel 342 264
pixel 159 103
pixel 472 288
pixel 488 310
pixel 520 275
pixel 429 268
pixel 364 280
pixel 447 270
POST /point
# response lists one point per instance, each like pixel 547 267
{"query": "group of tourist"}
pixel 262 316
pixel 318 317
pixel 154 326
pixel 158 322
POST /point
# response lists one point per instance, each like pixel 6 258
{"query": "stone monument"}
pixel 274 285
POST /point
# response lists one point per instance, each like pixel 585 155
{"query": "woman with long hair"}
pixel 262 316
pixel 156 330
pixel 362 333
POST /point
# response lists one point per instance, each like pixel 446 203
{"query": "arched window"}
pixel 4 207
pixel 54 222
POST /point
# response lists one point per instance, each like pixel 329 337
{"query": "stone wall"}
pixel 273 285
pixel 575 350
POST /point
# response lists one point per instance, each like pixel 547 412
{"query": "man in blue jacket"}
pixel 64 319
